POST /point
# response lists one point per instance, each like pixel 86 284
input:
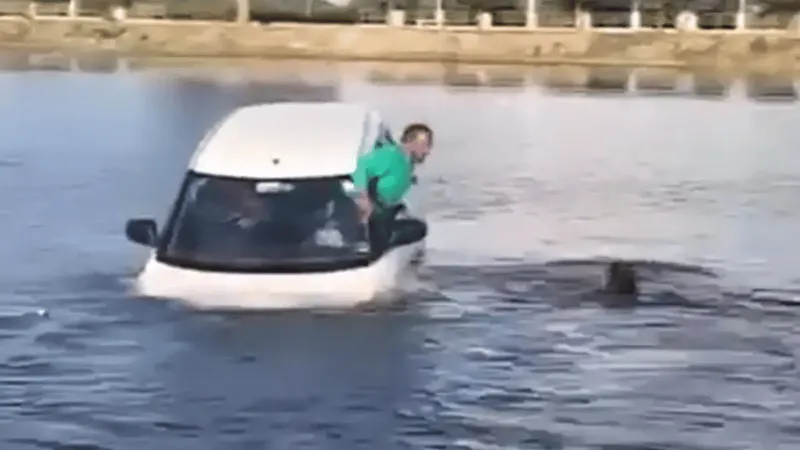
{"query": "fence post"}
pixel 583 19
pixel 119 13
pixel 636 15
pixel 531 20
pixel 484 20
pixel 396 18
pixel 741 16
pixel 686 21
pixel 73 10
pixel 439 14
pixel 242 11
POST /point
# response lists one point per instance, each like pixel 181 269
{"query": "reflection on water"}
pixel 98 64
pixel 606 81
pixel 656 81
pixel 770 89
pixel 709 87
pixel 456 76
pixel 561 79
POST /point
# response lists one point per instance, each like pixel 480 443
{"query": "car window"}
pixel 243 223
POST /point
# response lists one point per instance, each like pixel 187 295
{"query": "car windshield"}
pixel 247 224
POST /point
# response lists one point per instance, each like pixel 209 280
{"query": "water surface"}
pixel 527 179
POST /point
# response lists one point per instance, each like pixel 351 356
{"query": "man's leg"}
pixel 381 225
pixel 378 232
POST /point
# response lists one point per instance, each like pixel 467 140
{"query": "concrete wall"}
pixel 733 51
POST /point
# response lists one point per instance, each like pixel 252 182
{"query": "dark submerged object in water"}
pixel 609 283
pixel 621 288
pixel 621 279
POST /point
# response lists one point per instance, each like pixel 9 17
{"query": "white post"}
pixel 583 19
pixel 73 10
pixel 636 15
pixel 741 15
pixel 794 24
pixel 439 14
pixel 484 20
pixel 242 11
pixel 396 18
pixel 577 16
pixel 119 13
pixel 531 21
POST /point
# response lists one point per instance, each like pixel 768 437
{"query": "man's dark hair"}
pixel 411 132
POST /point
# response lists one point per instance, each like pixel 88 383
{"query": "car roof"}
pixel 285 140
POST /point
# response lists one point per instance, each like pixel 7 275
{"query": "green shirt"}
pixel 393 168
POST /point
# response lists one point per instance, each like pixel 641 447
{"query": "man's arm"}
pixel 395 182
pixel 360 178
pixel 362 172
pixel 392 171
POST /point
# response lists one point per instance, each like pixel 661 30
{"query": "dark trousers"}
pixel 381 225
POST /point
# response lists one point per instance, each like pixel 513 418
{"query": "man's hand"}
pixel 364 206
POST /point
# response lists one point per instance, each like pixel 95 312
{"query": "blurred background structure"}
pixel 707 14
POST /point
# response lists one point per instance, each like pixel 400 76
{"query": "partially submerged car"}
pixel 265 217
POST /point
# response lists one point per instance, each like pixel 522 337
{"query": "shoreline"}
pixel 771 52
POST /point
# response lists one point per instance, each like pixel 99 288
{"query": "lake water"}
pixel 526 181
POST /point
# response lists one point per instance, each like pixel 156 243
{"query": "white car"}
pixel 265 217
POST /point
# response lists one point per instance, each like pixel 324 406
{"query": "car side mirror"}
pixel 142 232
pixel 408 231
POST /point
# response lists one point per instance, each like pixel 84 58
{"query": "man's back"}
pixel 393 169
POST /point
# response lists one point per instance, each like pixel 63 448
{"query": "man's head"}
pixel 417 138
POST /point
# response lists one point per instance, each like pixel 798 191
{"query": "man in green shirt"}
pixel 392 166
